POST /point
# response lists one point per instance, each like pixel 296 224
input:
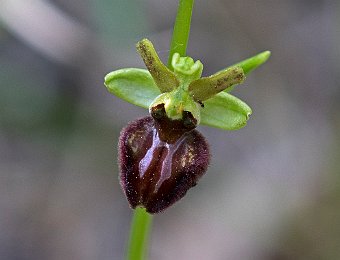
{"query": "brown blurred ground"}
pixel 272 190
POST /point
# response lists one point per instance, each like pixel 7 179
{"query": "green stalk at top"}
pixel 180 35
pixel 141 222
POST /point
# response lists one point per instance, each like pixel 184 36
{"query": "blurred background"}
pixel 273 188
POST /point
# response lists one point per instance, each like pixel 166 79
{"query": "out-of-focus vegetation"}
pixel 272 190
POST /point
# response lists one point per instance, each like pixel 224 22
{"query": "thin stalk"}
pixel 141 222
pixel 180 35
pixel 139 235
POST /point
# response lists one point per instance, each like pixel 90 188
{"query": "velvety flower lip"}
pixel 154 173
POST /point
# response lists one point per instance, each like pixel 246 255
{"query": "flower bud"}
pixel 160 159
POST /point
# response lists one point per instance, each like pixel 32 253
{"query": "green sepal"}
pixel 133 85
pixel 164 78
pixel 253 62
pixel 225 111
pixel 250 64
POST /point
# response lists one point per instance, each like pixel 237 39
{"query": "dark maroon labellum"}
pixel 160 159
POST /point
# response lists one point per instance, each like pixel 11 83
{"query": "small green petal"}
pixel 135 86
pixel 225 111
pixel 252 63
pixel 164 78
pixel 206 87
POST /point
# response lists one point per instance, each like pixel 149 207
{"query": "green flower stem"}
pixel 180 35
pixel 139 235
